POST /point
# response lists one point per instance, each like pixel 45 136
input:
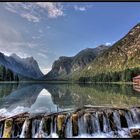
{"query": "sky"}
pixel 48 30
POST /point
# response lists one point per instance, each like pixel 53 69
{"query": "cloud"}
pixel 108 43
pixel 54 9
pixel 12 41
pixel 30 17
pixel 34 12
pixel 81 8
pixel 36 37
pixel 42 55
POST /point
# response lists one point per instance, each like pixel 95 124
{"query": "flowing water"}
pixel 50 98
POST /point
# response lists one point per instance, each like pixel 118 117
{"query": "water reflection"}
pixel 44 102
pixel 54 97
pixel 23 95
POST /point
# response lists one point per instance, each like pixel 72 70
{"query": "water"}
pixel 57 97
pixel 50 98
pixel 106 125
pixel 116 118
pixel 69 129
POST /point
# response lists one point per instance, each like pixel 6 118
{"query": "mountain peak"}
pixel 24 66
pixel 65 66
pixel 14 55
pixel 30 59
pixel 102 46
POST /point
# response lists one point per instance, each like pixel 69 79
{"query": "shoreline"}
pixel 68 82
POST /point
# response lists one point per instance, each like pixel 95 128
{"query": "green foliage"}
pixel 125 76
pixel 7 74
pixel 121 62
pixel 77 95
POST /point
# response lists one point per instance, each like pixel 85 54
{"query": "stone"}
pixel 135 133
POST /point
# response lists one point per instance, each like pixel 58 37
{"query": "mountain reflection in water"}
pixel 55 97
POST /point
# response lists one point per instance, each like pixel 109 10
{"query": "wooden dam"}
pixel 84 122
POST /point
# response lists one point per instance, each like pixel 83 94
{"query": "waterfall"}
pixel 53 128
pixel 81 125
pixel 116 118
pixel 69 128
pixel 17 131
pixel 1 128
pixel 53 125
pixel 95 123
pixel 135 116
pixel 24 129
pixel 40 133
pixel 101 123
pixel 35 127
pixel 129 119
pixel 106 125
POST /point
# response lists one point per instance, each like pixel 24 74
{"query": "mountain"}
pixel 25 67
pixel 65 66
pixel 121 62
pixel 8 75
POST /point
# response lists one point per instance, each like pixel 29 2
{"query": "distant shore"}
pixel 68 82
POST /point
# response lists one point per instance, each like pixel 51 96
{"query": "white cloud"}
pixel 10 9
pixel 34 12
pixel 12 41
pixel 54 9
pixel 81 8
pixel 108 43
pixel 36 37
pixel 30 17
pixel 42 55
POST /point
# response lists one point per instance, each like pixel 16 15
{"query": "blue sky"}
pixel 49 30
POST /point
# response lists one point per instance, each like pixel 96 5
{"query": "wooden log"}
pixel 60 126
pixel 59 113
pixel 21 115
pixel 75 128
pixel 104 107
pixel 84 109
pixel 7 128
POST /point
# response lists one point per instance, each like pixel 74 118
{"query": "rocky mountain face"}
pixel 86 56
pixel 122 60
pixel 66 66
pixel 60 67
pixel 24 67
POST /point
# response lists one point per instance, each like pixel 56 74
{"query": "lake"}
pixel 43 97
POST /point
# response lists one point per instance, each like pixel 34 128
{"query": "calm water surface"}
pixel 56 97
